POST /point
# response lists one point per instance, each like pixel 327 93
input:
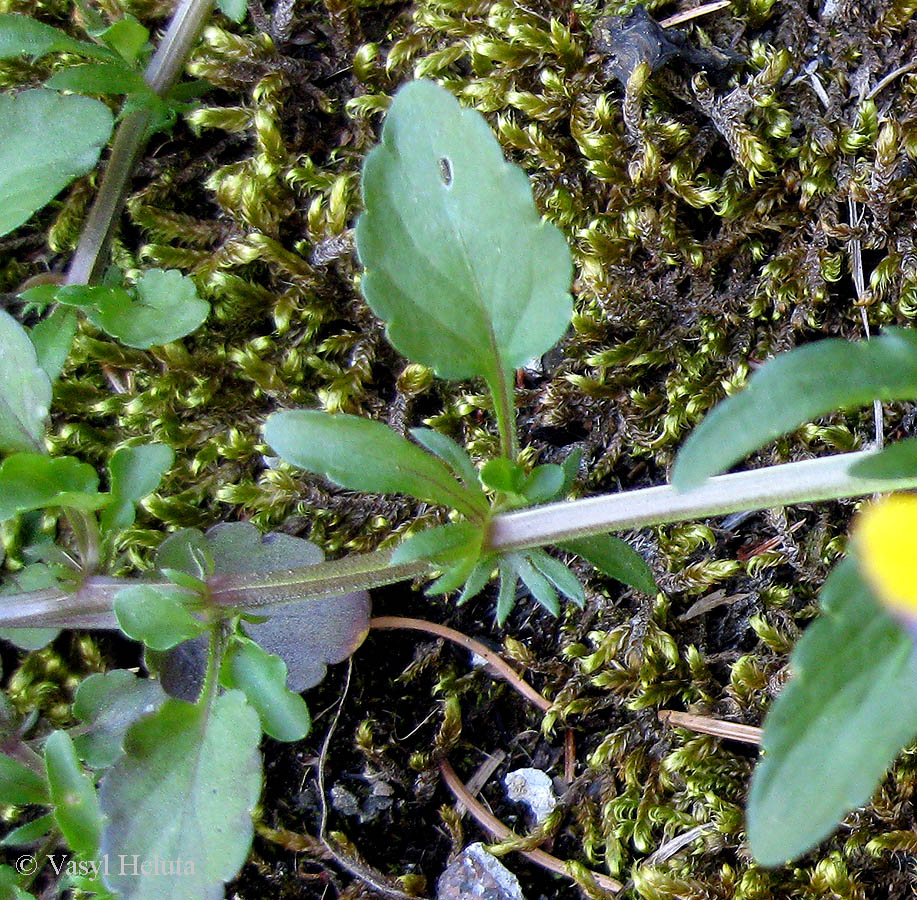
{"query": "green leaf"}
pixel 165 307
pixel 233 9
pixel 308 635
pixel 559 575
pixel 184 789
pixel 365 455
pixel 506 598
pixel 187 550
pixel 895 461
pixel 52 338
pixel 794 388
pixel 539 586
pixel 113 77
pixel 468 277
pixel 456 574
pixel 35 481
pixel 452 454
pixel 23 35
pixel 48 140
pixel 837 725
pixel 9 885
pixel 76 806
pixel 615 558
pixel 478 579
pixel 501 475
pixel 25 389
pixel 19 784
pixel 571 467
pixel 263 679
pixel 127 37
pixel 134 472
pixel 108 704
pixel 439 544
pixel 36 577
pixel 543 483
pixel 156 615
pixel 29 833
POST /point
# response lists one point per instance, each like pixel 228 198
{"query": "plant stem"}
pixel 90 256
pixel 803 482
pixel 502 392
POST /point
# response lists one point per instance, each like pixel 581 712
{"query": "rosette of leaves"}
pixel 472 282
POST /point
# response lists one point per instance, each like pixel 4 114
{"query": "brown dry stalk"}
pixel 686 15
pixel 747 734
pixel 497 663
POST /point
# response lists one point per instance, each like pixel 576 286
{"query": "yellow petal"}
pixel 885 536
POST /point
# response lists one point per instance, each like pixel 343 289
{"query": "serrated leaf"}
pixel 156 615
pixel 48 140
pixel 22 35
pixel 134 472
pixel 440 543
pixel 25 390
pixel 506 597
pixel 76 806
pixel 29 833
pixel 52 338
pixel 794 388
pixel 19 784
pixel 262 677
pixel 467 276
pixel 837 725
pixel 35 481
pixel 108 704
pixel 452 454
pixel 197 770
pixel 615 558
pixel 456 574
pixel 478 579
pixel 365 455
pixel 539 586
pixel 559 575
pixel 164 307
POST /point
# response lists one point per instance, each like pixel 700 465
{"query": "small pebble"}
pixel 534 789
pixel 477 875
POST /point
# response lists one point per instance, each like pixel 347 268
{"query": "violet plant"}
pixel 471 282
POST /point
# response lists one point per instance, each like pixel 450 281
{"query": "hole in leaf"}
pixel 445 170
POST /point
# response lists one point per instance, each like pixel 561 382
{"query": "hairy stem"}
pixel 90 256
pixel 803 482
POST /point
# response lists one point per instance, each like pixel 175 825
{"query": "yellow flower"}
pixel 885 536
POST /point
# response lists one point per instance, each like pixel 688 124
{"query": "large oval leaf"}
pixel 795 388
pixel 48 139
pixel 459 264
pixel 179 800
pixel 837 726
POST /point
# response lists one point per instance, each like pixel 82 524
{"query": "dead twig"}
pixel 747 734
